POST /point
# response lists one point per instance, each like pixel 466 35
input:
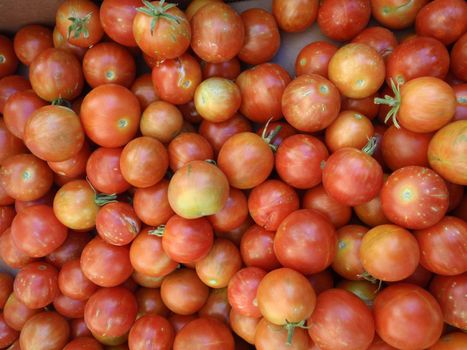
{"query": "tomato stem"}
pixel 211 161
pixel 268 137
pixel 157 11
pixel 290 327
pixel 370 147
pixel 393 102
pixel 78 26
pixel 102 199
pixel 366 276
pixel 159 231
pixel 61 102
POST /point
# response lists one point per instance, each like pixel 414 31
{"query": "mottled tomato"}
pixel 143 89
pixel 69 307
pixel 83 343
pixel 244 326
pixel 256 248
pixel 271 336
pixel 8 335
pixel 117 223
pixel 162 121
pixel 422 323
pixel 414 197
pixel 446 152
pixel 11 84
pixel 314 58
pixel 274 135
pixel 396 14
pixel 56 74
pixel 107 63
pixel 110 312
pixel 10 254
pixel 217 306
pixel 73 283
pixel 229 69
pixel 342 20
pixel 262 87
pixel 151 204
pixel 15 313
pixel 347 260
pixel 30 41
pixel 442 247
pixel 458 55
pixel 151 329
pixel 8 59
pixel 381 39
pixel 110 115
pixel 311 103
pixel 242 291
pixel 45 331
pixel 223 38
pixel 122 12
pixel 341 321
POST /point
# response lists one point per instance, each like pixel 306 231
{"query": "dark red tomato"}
pixel 223 38
pixel 341 321
pixel 45 331
pixel 180 321
pixel 162 121
pixel 229 69
pixel 217 306
pixel 422 323
pixel 7 334
pixel 107 63
pixel 152 205
pixel 78 21
pixel 37 232
pixel 381 39
pixel 442 248
pixel 83 343
pixel 6 287
pixel 458 58
pixel 72 167
pixel 30 41
pixel 60 42
pixel 321 281
pixel 104 264
pixel 68 307
pixel 431 56
pixel 442 20
pixel 25 177
pixel 218 133
pixel 79 329
pixel 352 177
pixel 143 89
pixel 56 74
pixel 365 106
pixel 175 81
pixel 242 291
pixel 365 290
pixel 73 283
pixel 10 254
pixel 343 19
pixel 183 292
pixel 456 193
pixel 243 326
pixel 110 115
pixel 301 98
pixel 414 197
pixel 70 249
pixel 271 336
pixel 15 313
pixel 117 223
pixel 147 281
pixel 144 161
pixel 461 108
pixel 270 202
pixel 151 331
pixel 256 248
pixel 347 260
pixel 204 333
pixel 314 58
pixel 318 199
pixel 299 233
pixel 8 59
pixel 449 292
pixel 36 285
pixel 150 302
pixel 295 16
pixel 299 159
pixel 122 12
pixel 262 87
pixel 7 214
pixel 5 199
pixel 11 84
pixel 414 151
pixel 110 312
pixel 396 14
pixel 389 253
pixel 262 37
pixel 9 144
pixel 148 257
pixel 233 214
pixel 187 240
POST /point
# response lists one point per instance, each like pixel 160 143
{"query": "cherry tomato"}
pixel 7 334
pixel 117 223
pixel 68 307
pixel 461 108
pixel 150 302
pixel 60 42
pixel 10 144
pixel 73 167
pixel 379 38
pixel 10 254
pixel 245 327
pixel 8 59
pixel 151 329
pixel 73 283
pixel 314 58
pixel 143 89
pixel 217 306
pixel 458 55
pixel 30 41
pixel 347 260
pixel 229 69
pixel 87 343
pixel 151 204
pixel 15 313
pixel 122 12
pixel 11 84
pixel 295 16
pixel 162 121
pixel 396 14
pixel 256 248
pixel 451 341
pixel 233 214
pixel 242 291
pixel 46 330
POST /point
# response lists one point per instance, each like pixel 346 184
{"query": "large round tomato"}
pixel 151 329
pixel 45 331
pixel 8 59
pixel 30 41
pixel 122 12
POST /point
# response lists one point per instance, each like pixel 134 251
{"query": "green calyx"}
pixel 79 26
pixel 366 276
pixel 159 231
pixel 371 145
pixel 61 102
pixel 393 102
pixel 290 327
pixel 157 12
pixel 268 137
pixel 102 199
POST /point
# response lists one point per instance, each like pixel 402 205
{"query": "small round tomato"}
pixel 347 260
pixel 110 115
pixel 83 342
pixel 341 321
pixel 229 69
pixel 147 281
pixel 73 283
pixel 242 291
pixel 10 254
pixel 244 326
pixel 194 6
pixel 70 249
pixel 357 70
pixel 10 145
pixel 56 74
pixel 162 121
pixel 381 39
pixel 371 213
pixel 107 63
pixel 414 197
pixel 68 307
pixel 217 306
pixel 78 21
pixel 8 59
pixel 8 335
pixel 396 14
pixel 451 341
pixel 8 213
pixel 343 19
pixel 11 84
pixel 151 329
pixel 365 106
pixel 223 38
pixel 271 336
pixel 257 248
pixel 233 214
pixel 422 323
pixel 458 58
pixel 311 103
pixel 295 16
pixel 78 329
pixel 150 302
pixel 15 313
pixel 151 204
pixel 117 223
pixel 73 167
pixel 187 147
pixel 314 58
pixel 46 330
pixel 30 41
pixel 122 12
pixel 143 89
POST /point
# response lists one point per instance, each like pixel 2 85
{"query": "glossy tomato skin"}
pixel 330 329
pixel 396 14
pixel 110 115
pixel 420 327
pixel 9 252
pixel 365 106
pixel 342 20
pixel 7 214
pixel 441 246
pixel 30 41
pixel 151 204
pixel 244 326
pixel 161 120
pixel 69 250
pixel 56 74
pixel 314 58
pixel 150 302
pixel 10 85
pixel 15 313
pixel 229 69
pixel 73 283
pixel 233 214
pixel 414 197
pixel 115 305
pixel 10 144
pixel 301 97
pixel 151 329
pixel 217 306
pixel 69 307
pixel 124 12
pixel 81 343
pixel 143 89
pixel 446 152
pixel 381 39
pixel 451 341
pixel 9 61
pixel 272 336
pixel 347 260
pixel 223 38
pixel 458 54
pixel 242 291
pixel 295 16
pixel 461 97
pixel 117 223
pixel 256 248
pixel 7 334
pixel 46 330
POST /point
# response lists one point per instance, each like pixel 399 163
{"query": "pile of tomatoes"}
pixel 221 203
